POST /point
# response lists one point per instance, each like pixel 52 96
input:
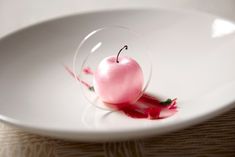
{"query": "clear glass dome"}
pixel 102 43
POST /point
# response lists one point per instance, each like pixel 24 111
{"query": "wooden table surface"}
pixel 214 138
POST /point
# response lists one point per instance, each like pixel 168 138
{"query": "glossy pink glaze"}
pixel 118 83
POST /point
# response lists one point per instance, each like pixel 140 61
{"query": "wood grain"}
pixel 214 138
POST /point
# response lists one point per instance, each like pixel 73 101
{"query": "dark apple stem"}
pixel 125 47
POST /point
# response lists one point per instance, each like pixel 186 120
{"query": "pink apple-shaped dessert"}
pixel 118 80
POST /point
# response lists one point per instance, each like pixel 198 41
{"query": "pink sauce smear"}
pixel 148 106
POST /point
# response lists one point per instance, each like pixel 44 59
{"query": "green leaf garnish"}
pixel 166 102
pixel 91 88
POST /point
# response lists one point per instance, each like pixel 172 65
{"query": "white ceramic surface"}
pixel 28 12
pixel 193 61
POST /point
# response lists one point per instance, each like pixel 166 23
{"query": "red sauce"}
pixel 148 106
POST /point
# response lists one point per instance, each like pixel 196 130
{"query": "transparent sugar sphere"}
pixel 103 43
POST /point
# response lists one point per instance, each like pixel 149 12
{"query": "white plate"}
pixel 193 57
